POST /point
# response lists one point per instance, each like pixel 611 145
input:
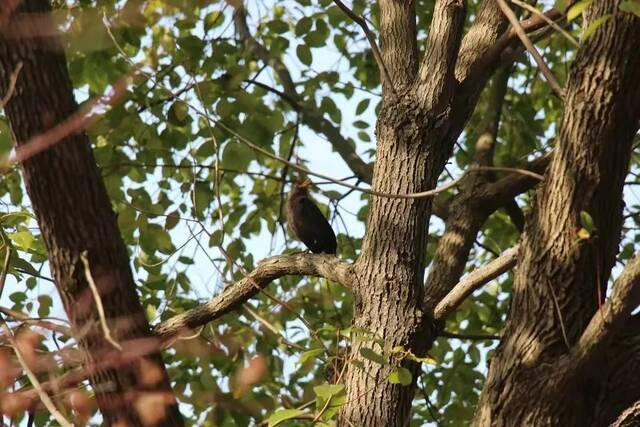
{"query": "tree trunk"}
pixel 561 279
pixel 411 152
pixel 75 217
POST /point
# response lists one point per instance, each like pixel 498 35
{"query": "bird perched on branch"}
pixel 308 223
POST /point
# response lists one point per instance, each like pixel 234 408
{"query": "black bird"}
pixel 308 223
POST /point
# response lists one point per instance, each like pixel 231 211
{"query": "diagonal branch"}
pixel 522 35
pixel 386 79
pixel 443 43
pixel 310 117
pixel 475 280
pixel 607 321
pixel 268 270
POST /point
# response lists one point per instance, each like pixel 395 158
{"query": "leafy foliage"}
pixel 198 204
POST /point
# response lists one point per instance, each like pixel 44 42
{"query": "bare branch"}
pixel 384 74
pixel 98 301
pixel 472 337
pixel 548 20
pixel 607 321
pixel 268 270
pixel 521 33
pixel 475 280
pixel 630 417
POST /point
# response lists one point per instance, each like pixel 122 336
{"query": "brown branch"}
pixel 611 317
pixel 386 79
pixel 478 62
pixel 522 35
pixel 270 269
pixel 475 280
pixel 472 337
pixel 630 417
pixel 437 71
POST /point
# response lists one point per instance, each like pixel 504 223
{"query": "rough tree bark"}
pixel 75 216
pixel 561 279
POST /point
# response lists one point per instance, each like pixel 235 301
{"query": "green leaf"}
pixel 304 54
pixel 303 26
pixel 577 9
pixel 22 239
pixel 400 375
pixel 326 391
pixel 630 6
pixel 593 26
pixel 310 354
pixel 362 106
pixel 587 221
pixel 236 156
pixel 371 355
pixel 213 19
pixel 178 113
pixel 286 414
pixel 44 305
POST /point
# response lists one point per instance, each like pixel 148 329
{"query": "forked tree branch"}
pixel 475 280
pixel 268 270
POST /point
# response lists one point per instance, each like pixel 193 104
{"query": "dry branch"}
pixel 607 321
pixel 475 280
pixel 233 296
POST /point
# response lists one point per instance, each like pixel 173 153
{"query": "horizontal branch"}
pixel 607 321
pixel 233 296
pixel 471 337
pixel 475 280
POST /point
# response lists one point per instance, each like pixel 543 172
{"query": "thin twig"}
pixel 12 85
pixel 474 337
pixel 546 19
pixel 372 41
pixel 98 300
pixel 521 33
pixel 514 170
pixel 5 268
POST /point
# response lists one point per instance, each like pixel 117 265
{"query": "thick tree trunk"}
pixel 411 153
pixel 75 216
pixel 561 278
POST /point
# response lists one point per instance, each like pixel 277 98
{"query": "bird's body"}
pixel 308 223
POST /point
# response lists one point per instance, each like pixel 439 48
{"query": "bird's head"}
pixel 302 186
